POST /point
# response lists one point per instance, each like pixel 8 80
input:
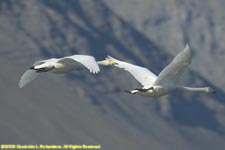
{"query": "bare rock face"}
pixel 79 108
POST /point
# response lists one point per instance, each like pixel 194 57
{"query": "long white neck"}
pixel 200 89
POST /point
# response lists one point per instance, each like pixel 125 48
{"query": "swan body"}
pixel 157 91
pixel 166 81
pixel 61 65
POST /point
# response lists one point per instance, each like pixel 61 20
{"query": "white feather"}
pixel 141 74
pixel 88 61
pixel 27 77
pixel 173 71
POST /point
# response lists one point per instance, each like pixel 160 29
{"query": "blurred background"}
pixel 80 108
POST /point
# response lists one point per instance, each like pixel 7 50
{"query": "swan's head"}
pixel 107 62
pixel 209 90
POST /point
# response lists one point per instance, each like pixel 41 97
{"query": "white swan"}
pixel 165 82
pixel 62 65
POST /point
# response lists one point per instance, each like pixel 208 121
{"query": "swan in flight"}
pixel 63 65
pixel 166 81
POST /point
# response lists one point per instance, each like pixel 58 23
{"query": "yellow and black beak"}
pixel 114 63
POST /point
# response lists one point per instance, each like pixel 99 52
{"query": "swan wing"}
pixel 27 77
pixel 141 74
pixel 172 72
pixel 30 74
pixel 87 61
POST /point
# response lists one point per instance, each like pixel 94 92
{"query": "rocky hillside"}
pixel 79 108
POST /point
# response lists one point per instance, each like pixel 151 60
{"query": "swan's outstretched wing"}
pixel 27 77
pixel 141 74
pixel 172 72
pixel 30 74
pixel 88 61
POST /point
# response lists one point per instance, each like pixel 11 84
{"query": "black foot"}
pixel 145 90
pixel 129 92
pixel 32 68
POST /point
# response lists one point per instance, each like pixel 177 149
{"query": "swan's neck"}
pixel 192 89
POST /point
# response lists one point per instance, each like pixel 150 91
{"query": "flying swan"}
pixel 166 81
pixel 63 65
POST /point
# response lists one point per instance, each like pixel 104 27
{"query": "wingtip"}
pixel 20 85
pixel 187 46
pixel 111 58
pixel 95 71
pixel 108 56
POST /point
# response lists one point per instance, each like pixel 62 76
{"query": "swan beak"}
pixel 114 63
